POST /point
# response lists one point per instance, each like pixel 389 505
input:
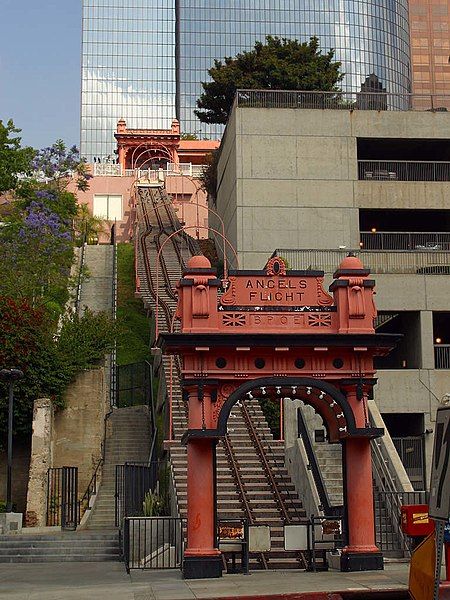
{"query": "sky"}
pixel 40 69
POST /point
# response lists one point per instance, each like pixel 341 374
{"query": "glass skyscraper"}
pixel 144 61
pixel 128 70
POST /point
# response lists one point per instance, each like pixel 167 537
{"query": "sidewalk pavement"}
pixel 109 581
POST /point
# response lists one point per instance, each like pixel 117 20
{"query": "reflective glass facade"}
pixel 128 70
pixel 129 53
pixel 369 37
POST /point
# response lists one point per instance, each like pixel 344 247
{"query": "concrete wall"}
pixel 78 430
pixel 289 178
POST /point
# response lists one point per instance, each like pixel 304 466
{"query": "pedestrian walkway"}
pixel 109 581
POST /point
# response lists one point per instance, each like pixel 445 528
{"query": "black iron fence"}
pixel 134 384
pixel 133 482
pixel 153 542
pixel 326 534
pixel 62 497
pixel 389 536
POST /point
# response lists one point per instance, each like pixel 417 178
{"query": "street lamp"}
pixel 9 376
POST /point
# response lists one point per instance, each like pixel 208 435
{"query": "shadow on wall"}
pixel 20 471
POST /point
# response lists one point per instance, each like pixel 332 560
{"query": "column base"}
pixel 361 561
pixel 202 567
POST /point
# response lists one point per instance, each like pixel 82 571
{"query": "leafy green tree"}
pixel 13 158
pixel 49 362
pixel 278 64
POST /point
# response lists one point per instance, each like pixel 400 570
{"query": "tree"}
pixel 279 64
pixel 13 158
pixel 58 163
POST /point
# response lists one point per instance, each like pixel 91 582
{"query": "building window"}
pixel 108 207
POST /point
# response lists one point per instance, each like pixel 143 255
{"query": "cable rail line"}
pixel 250 482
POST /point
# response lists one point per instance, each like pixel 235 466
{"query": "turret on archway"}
pixel 277 332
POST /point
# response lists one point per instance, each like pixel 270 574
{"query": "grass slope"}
pixel 135 326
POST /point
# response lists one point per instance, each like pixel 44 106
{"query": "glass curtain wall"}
pixel 128 70
pixel 370 37
pixel 133 68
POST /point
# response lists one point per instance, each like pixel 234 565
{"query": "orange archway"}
pixel 279 333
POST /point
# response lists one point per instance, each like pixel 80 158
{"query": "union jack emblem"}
pixel 319 320
pixel 234 320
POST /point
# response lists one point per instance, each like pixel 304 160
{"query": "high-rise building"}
pixel 430 46
pixel 144 61
pixel 127 71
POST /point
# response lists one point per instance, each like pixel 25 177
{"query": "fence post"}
pixel 126 544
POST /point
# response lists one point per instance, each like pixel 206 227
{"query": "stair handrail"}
pixel 113 356
pixel 313 464
pixel 91 489
pixel 392 476
pixel 386 482
pixel 80 274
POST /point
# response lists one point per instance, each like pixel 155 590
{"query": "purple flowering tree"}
pixel 37 252
pixel 57 163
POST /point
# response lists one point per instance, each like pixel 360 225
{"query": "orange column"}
pixel 361 554
pixel 201 558
pixel 122 159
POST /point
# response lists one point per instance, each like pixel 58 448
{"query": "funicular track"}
pixel 252 481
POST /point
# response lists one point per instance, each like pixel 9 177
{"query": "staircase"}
pixel 258 492
pixel 60 547
pixel 96 289
pixel 127 440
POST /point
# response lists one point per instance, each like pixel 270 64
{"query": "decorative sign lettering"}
pixel 285 290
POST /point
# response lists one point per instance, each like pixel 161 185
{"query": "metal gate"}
pixel 133 481
pixel 134 384
pixel 62 497
pixel 153 542
pixel 412 455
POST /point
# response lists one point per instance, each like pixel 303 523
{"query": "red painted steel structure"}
pixel 279 334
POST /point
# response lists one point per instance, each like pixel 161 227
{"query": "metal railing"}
pixel 133 482
pixel 153 542
pixel 340 100
pixel 313 465
pixel 91 490
pixel 411 450
pixel 325 534
pixel 107 170
pixel 62 497
pixel 159 175
pixel 402 170
pixel 421 241
pixel 378 261
pixel 80 276
pixel 389 535
pixel 113 356
pixel 442 356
